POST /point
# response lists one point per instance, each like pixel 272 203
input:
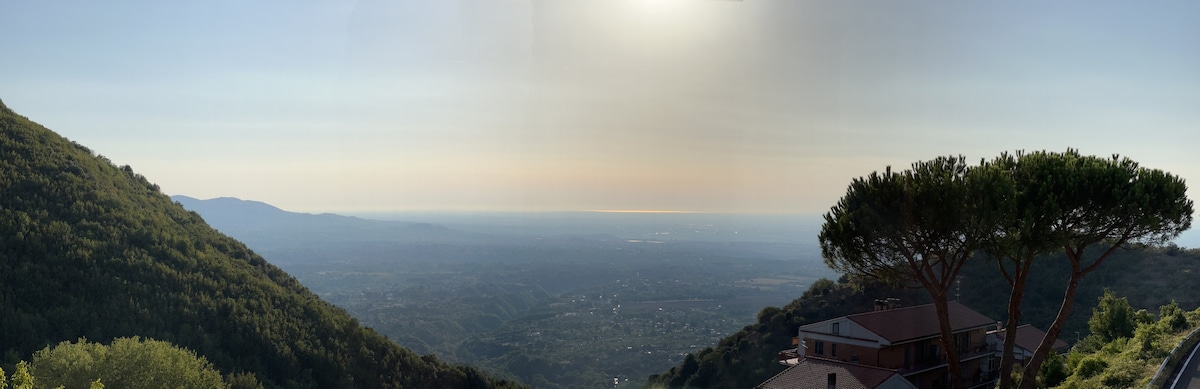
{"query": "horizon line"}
pixel 641 211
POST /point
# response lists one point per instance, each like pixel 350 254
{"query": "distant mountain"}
pixel 234 212
pixel 289 239
pixel 254 222
pixel 89 249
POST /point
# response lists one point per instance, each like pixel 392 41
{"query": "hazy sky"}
pixel 701 105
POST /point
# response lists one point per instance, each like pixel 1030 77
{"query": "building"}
pixel 1028 339
pixel 904 341
pixel 815 372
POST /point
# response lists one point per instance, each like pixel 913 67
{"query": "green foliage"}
pixel 243 380
pixel 820 287
pixel 1053 371
pixel 1090 366
pixel 1112 318
pixel 1146 339
pixel 1172 318
pixel 767 314
pixel 88 249
pixel 21 379
pixel 901 227
pixel 1124 361
pixel 1073 202
pixel 126 363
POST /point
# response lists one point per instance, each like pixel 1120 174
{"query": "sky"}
pixel 752 106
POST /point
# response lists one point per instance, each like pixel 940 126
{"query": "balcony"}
pixel 939 360
pixel 982 379
pixel 789 357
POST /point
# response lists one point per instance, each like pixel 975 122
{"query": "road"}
pixel 1188 376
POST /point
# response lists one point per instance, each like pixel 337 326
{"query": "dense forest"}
pixel 92 250
pixel 1148 278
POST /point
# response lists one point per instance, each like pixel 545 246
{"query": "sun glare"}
pixel 658 6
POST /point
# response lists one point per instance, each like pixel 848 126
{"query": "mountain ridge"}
pixel 89 249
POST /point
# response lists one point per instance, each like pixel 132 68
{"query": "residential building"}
pixel 815 372
pixel 1028 339
pixel 905 341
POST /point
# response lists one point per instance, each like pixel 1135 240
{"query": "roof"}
pixel 814 372
pixel 916 322
pixel 1029 337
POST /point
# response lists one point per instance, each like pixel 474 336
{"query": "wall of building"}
pixel 845 352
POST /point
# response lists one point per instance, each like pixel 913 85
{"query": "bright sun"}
pixel 657 5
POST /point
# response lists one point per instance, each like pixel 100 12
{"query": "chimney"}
pixel 831 381
pixel 886 304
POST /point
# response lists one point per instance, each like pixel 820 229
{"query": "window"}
pixel 833 349
pixel 837 328
pixel 819 347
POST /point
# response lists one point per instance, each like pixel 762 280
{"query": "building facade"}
pixel 906 341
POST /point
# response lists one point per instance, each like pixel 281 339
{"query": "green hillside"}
pixel 1149 278
pixel 89 249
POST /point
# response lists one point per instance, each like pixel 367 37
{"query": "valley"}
pixel 546 300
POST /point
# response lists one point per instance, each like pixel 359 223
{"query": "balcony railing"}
pixel 983 379
pixel 792 356
pixel 933 362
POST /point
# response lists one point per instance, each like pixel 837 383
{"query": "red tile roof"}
pixel 1029 337
pixel 916 322
pixel 814 372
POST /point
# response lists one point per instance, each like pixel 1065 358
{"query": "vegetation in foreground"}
pixel 126 363
pixel 1124 349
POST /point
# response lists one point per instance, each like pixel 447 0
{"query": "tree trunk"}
pixel 1029 377
pixel 948 343
pixel 1075 255
pixel 1020 274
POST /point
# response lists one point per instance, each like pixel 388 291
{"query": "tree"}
pixel 1053 371
pixel 919 226
pixel 21 379
pixel 1172 317
pixel 1065 201
pixel 243 380
pixel 1112 318
pixel 126 363
pixel 1106 203
pixel 1021 217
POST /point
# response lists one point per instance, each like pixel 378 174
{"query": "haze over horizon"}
pixel 755 106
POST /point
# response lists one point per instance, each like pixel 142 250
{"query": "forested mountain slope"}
pixel 1148 277
pixel 91 250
